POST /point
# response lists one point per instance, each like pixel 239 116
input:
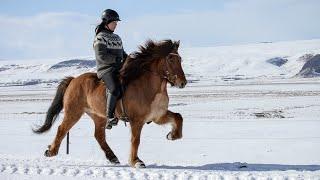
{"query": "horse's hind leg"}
pixel 100 135
pixel 176 121
pixel 70 118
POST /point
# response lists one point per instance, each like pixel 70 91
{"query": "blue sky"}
pixel 46 29
pixel 94 7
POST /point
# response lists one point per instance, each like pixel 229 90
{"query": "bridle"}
pixel 167 75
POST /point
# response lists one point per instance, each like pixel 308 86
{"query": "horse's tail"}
pixel 56 106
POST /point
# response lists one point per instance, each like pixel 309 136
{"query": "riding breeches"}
pixel 112 82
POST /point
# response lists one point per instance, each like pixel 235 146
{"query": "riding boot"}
pixel 111 105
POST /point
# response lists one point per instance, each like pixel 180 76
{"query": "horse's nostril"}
pixel 183 84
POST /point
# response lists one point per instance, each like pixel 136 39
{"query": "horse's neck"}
pixel 147 89
pixel 155 84
pixel 150 84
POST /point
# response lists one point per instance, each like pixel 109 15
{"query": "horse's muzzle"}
pixel 182 84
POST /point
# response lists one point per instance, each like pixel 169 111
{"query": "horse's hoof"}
pixel 139 165
pixel 47 153
pixel 169 136
pixel 115 161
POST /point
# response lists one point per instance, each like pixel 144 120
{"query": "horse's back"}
pixel 89 80
pixel 84 85
pixel 89 76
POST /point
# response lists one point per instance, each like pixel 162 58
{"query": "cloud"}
pixel 52 35
pixel 47 35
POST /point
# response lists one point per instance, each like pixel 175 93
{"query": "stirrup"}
pixel 124 118
pixel 113 121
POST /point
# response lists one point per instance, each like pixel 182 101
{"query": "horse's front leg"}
pixel 134 160
pixel 176 121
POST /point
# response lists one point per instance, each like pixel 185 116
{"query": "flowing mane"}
pixel 136 64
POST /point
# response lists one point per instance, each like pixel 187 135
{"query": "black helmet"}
pixel 110 15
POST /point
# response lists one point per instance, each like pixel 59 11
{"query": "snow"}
pixel 223 136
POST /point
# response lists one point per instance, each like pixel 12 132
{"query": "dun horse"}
pixel 144 75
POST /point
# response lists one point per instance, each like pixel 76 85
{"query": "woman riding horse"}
pixel 145 75
pixel 109 57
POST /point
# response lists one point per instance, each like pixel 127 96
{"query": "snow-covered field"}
pixel 263 125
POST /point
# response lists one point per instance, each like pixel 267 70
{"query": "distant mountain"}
pixel 277 61
pixel 249 61
pixel 77 63
pixel 38 73
pixel 311 68
pixel 205 64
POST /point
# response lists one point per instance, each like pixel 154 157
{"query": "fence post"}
pixel 68 143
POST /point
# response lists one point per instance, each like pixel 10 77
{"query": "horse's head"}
pixel 172 68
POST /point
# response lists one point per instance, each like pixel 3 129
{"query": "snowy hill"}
pixel 224 63
pixel 311 68
pixel 250 61
pixel 18 73
pixel 77 63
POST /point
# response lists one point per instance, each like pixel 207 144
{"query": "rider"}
pixel 109 58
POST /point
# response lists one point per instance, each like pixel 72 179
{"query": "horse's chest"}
pixel 158 107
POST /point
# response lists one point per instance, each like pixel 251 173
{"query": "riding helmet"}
pixel 110 15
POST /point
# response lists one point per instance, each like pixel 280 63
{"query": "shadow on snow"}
pixel 241 167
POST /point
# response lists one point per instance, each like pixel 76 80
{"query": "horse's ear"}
pixel 177 43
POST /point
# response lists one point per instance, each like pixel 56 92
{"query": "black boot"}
pixel 111 105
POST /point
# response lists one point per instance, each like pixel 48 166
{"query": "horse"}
pixel 145 75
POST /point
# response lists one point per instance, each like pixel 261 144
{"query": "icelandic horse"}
pixel 145 75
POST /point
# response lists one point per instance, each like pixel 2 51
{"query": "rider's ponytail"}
pixel 100 27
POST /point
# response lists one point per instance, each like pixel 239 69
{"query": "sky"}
pixel 46 29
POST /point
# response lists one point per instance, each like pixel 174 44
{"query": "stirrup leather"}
pixel 124 117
